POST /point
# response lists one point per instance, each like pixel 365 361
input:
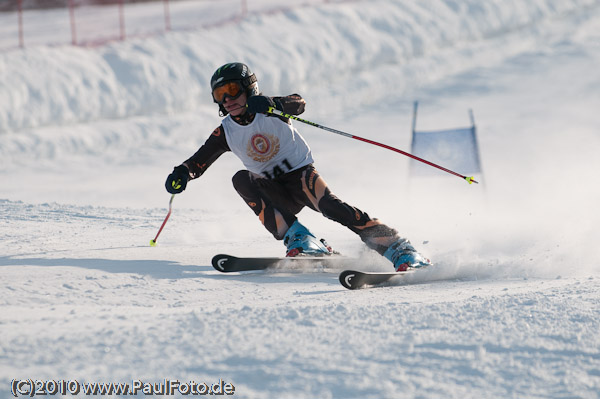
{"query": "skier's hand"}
pixel 259 104
pixel 178 179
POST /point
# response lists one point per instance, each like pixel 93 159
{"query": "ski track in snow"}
pixel 511 308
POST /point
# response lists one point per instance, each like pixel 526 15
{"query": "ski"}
pixel 353 279
pixel 229 263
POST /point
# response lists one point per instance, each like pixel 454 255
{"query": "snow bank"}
pixel 337 47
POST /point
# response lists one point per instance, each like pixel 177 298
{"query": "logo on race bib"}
pixel 262 147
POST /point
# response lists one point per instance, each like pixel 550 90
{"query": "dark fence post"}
pixel 121 20
pixel 244 9
pixel 72 18
pixel 167 16
pixel 20 16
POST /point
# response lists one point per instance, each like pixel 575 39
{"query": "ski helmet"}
pixel 234 72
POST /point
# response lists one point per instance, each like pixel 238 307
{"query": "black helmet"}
pixel 234 72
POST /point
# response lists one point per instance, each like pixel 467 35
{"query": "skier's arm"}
pixel 197 164
pixel 292 104
pixel 213 148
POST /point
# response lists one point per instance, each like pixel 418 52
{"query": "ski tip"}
pixel 219 261
pixel 353 279
pixel 347 278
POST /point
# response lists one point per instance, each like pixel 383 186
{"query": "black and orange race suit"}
pixel 278 199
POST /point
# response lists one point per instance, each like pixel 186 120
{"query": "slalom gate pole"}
pixel 153 242
pixel 274 111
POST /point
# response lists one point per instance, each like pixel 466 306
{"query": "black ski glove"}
pixel 178 179
pixel 260 104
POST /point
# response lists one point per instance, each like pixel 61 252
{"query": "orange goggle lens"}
pixel 231 89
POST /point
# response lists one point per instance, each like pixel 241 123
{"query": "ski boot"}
pixel 405 257
pixel 300 241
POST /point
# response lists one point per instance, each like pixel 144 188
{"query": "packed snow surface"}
pixel 511 308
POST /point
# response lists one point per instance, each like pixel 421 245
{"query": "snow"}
pixel 89 134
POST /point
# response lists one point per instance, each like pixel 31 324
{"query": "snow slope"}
pixel 88 135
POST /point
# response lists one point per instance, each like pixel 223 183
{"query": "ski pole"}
pixel 153 242
pixel 274 111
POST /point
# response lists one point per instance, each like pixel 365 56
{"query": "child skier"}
pixel 280 178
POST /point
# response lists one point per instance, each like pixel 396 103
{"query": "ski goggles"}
pixel 230 89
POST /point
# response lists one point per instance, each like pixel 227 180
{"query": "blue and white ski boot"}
pixel 300 241
pixel 405 257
